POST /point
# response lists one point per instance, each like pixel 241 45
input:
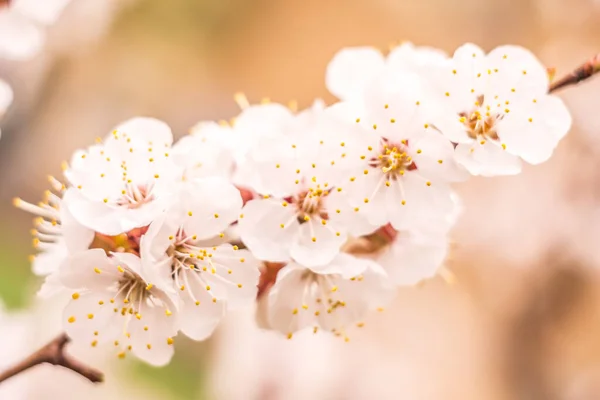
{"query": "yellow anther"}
pixel 190 213
pixel 120 269
pixel 314 239
pixel 168 313
pixel 94 343
pixel 334 289
pixel 169 341
pixel 289 335
pixel 71 319
pixel 97 270
pixel 295 311
pixel 428 183
pixel 138 316
pixel 90 316
pixel 75 296
pixel 149 286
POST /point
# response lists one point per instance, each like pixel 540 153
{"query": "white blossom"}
pixel 399 167
pixel 114 305
pixel 496 107
pixel 334 301
pixel 207 278
pixel 126 181
pixel 301 213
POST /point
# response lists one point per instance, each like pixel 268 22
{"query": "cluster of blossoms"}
pixel 318 213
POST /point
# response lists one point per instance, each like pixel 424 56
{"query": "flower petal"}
pixel 351 69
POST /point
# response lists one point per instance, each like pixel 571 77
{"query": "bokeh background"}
pixel 521 319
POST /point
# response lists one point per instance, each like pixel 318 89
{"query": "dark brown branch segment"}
pixel 583 72
pixel 53 353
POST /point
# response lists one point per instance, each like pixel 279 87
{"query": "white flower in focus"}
pixel 303 214
pixel 207 278
pixel 399 166
pixel 21 26
pixel 57 234
pixel 113 304
pixel 412 258
pixel 498 110
pixel 352 69
pixel 206 151
pixel 334 301
pixel 126 181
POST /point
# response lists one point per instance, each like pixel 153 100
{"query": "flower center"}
pixel 393 160
pixel 480 122
pixel 310 203
pixel 135 196
pixel 133 287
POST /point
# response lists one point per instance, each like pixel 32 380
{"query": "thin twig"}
pixel 53 353
pixel 583 72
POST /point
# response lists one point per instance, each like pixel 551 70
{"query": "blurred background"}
pixel 522 319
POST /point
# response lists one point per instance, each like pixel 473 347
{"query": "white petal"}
pixel 410 57
pixel 514 67
pixel 91 312
pixel 286 298
pixel 489 159
pixel 396 105
pixel 351 69
pixel 260 229
pixel 51 287
pixel 434 157
pixel 77 237
pixel 426 207
pixel 90 269
pixel 149 131
pixel 235 277
pixel 317 244
pixel 409 260
pixel 50 260
pixel 152 344
pixel 345 265
pixel 341 213
pixel 209 206
pixel 199 313
pixel 534 132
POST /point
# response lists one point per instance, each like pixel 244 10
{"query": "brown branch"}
pixel 583 72
pixel 53 353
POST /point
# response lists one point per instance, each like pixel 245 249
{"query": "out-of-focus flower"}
pixel 22 25
pixel 497 108
pixel 335 300
pixel 113 304
pixel 126 181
